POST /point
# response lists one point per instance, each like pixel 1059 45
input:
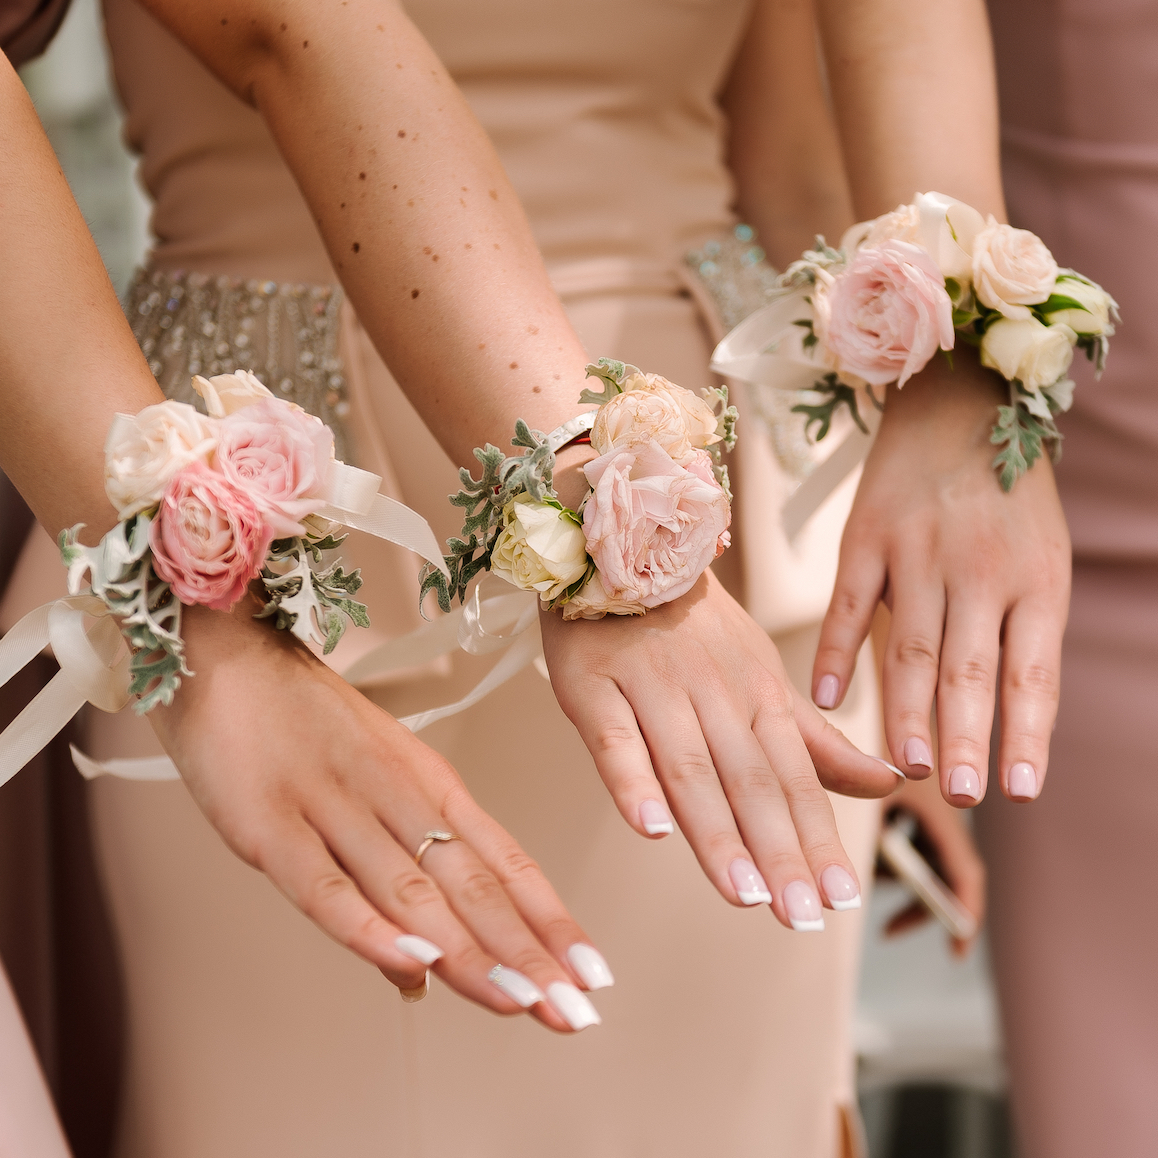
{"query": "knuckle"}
pixel 774 701
pixel 1036 678
pixel 690 769
pixel 917 651
pixel 321 891
pixel 847 604
pixel 480 890
pixel 971 673
pixel 515 865
pixel 610 737
pixel 413 889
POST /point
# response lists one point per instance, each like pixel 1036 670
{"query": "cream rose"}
pixel 1012 269
pixel 540 548
pixel 144 451
pixel 225 393
pixel 1036 355
pixel 593 602
pixel 652 407
pixel 1097 312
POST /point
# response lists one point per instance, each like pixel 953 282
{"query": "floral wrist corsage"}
pixel 656 515
pixel 207 504
pixel 874 312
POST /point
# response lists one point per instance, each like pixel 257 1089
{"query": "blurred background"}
pixel 927 1034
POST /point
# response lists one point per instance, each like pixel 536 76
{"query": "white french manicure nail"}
pixel 521 990
pixel 656 819
pixel 841 888
pixel 572 1005
pixel 748 883
pixel 588 962
pixel 803 907
pixel 418 947
pixel 892 768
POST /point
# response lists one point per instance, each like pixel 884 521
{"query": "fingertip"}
pixel 1022 783
pixel 655 819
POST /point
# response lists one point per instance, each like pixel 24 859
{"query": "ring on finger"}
pixel 434 836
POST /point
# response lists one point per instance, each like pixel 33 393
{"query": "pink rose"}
pixel 652 525
pixel 208 538
pixel 883 318
pixel 280 456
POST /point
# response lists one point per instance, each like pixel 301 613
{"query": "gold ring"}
pixel 433 836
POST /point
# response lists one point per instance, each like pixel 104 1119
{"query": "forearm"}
pixel 68 361
pixel 422 225
pixel 915 99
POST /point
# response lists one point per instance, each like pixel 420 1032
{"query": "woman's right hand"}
pixel 327 794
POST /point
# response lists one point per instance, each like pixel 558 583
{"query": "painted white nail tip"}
pixel 658 826
pixel 893 768
pixel 572 1005
pixel 522 990
pixel 844 906
pixel 418 947
pixel 588 962
pixel 755 898
pixel 816 926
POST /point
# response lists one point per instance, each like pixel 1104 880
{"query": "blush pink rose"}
pixel 883 317
pixel 652 525
pixel 280 456
pixel 208 538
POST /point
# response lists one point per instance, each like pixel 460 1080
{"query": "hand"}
pixel 944 841
pixel 690 703
pixel 314 785
pixel 970 574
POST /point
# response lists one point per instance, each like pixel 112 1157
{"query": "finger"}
pixel 537 902
pixel 1030 686
pixel 911 663
pixel 810 814
pixel 607 725
pixel 860 583
pixel 454 902
pixel 296 859
pixel 840 765
pixel 910 917
pixel 966 691
pixel 680 755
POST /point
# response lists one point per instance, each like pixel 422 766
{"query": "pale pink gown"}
pixel 250 1032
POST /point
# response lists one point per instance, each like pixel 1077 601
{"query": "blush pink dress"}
pixel 1072 902
pixel 250 1032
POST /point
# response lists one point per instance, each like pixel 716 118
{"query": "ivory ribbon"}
pixel 94 667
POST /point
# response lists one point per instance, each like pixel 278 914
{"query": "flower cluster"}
pixel 210 503
pixel 656 515
pixel 912 281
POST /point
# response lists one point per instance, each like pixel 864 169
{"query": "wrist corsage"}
pixel 209 503
pixel 656 514
pixel 874 312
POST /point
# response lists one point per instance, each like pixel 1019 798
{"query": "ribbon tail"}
pixel 522 652
pixel 23 642
pixel 52 707
pixel 394 521
pixel 137 768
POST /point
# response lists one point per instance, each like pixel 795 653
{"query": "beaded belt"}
pixel 194 323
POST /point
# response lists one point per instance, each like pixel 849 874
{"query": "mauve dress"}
pixel 1073 903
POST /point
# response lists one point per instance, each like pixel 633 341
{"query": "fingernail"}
pixel 963 781
pixel 749 883
pixel 892 768
pixel 410 996
pixel 917 753
pixel 656 819
pixel 418 947
pixel 522 990
pixel 588 962
pixel 827 691
pixel 572 1005
pixel 840 888
pixel 1023 782
pixel 803 906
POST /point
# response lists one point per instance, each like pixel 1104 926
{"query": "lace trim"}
pixel 194 323
pixel 739 280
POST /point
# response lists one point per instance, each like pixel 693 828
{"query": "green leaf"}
pixel 611 374
pixel 1023 437
pixel 839 394
pixel 1057 302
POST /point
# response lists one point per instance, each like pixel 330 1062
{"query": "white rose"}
pixel 652 407
pixel 540 548
pixel 1012 269
pixel 225 393
pixel 903 224
pixel 1097 312
pixel 1036 355
pixel 591 601
pixel 143 451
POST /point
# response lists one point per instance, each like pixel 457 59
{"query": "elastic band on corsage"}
pixel 874 312
pixel 207 504
pixel 656 515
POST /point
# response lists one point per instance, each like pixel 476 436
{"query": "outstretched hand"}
pixel 327 794
pixel 978 585
pixel 689 708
